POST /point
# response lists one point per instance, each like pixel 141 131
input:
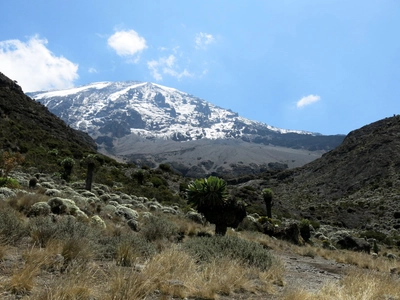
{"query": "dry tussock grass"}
pixel 78 283
pixel 22 202
pixel 357 285
pixel 359 259
pixel 174 273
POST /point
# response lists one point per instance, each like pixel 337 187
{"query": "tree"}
pixel 268 195
pixel 90 161
pixel 140 176
pixel 9 161
pixel 67 163
pixel 210 197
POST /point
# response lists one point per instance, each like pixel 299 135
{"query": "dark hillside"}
pixel 29 128
pixel 357 184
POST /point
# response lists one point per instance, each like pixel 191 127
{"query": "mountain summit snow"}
pixel 119 114
pixel 149 110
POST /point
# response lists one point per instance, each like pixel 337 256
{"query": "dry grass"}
pixel 359 259
pixel 78 283
pixel 357 285
pixel 174 273
pixel 22 202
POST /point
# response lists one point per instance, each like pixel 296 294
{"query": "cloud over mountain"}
pixel 127 43
pixel 24 61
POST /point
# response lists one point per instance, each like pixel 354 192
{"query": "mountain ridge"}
pixel 354 185
pixel 116 114
pixel 31 129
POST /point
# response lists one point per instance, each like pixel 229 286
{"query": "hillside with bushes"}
pixel 29 128
pixel 75 224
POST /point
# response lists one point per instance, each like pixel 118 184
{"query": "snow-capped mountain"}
pixel 116 114
pixel 149 110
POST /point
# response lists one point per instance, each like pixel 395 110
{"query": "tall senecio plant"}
pixel 210 197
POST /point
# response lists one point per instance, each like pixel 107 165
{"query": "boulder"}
pixel 356 244
pixel 289 232
pixel 196 217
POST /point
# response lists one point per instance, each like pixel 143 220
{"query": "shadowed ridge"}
pixel 26 124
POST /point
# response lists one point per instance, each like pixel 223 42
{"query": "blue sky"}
pixel 317 65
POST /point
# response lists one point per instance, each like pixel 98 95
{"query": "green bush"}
pixel 304 227
pixel 158 181
pixel 9 182
pixel 12 227
pixel 124 246
pixel 207 249
pixel 43 229
pixel 165 168
pixel 371 234
pixel 159 228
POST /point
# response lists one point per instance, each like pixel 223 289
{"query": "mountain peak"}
pixel 165 112
pixel 117 113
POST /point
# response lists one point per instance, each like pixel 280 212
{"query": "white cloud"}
pixel 166 66
pixel 92 70
pixel 34 66
pixel 307 100
pixel 203 39
pixel 127 43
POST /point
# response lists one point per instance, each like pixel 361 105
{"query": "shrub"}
pixel 125 247
pixel 304 227
pixel 206 249
pixel 165 168
pixel 371 234
pixel 43 229
pixel 9 161
pixel 158 181
pixel 9 182
pixel 159 228
pixel 12 227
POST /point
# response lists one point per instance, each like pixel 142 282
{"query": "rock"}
pixel 391 256
pixel 289 232
pixel 355 244
pixel 196 217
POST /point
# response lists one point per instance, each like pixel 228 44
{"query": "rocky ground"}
pixel 309 273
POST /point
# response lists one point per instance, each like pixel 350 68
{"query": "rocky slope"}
pixel 139 120
pixel 355 185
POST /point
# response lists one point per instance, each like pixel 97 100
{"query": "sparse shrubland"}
pixel 99 254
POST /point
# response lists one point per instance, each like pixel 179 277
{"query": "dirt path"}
pixel 307 273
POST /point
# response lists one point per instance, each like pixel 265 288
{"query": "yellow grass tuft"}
pixel 357 285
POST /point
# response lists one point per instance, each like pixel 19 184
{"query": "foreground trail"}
pixel 308 273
